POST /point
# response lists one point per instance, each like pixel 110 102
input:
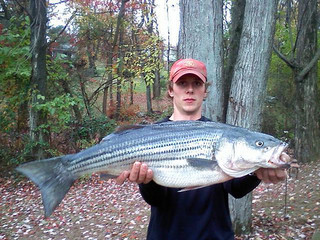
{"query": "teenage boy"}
pixel 202 213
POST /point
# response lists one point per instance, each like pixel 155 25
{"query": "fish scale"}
pixel 183 154
pixel 146 154
pixel 134 146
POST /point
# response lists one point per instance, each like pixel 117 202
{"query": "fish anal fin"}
pixel 193 188
pixel 106 176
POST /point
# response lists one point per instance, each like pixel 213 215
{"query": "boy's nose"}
pixel 190 89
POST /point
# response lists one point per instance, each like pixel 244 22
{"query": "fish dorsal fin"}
pixel 123 128
pixel 202 163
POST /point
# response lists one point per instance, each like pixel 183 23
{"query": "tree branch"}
pixel 310 65
pixel 63 29
pixel 290 63
pixel 24 9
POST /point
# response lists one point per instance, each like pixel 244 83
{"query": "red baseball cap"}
pixel 188 66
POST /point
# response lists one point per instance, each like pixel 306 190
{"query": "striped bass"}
pixel 181 154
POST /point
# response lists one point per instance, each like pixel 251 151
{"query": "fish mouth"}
pixel 276 160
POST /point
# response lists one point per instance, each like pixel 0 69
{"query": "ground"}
pixel 100 209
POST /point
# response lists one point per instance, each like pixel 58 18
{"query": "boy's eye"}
pixel 198 83
pixel 181 83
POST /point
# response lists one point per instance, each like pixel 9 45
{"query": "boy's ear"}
pixel 170 92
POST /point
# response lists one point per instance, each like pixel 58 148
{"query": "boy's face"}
pixel 188 93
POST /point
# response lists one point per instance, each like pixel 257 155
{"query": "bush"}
pixel 16 148
pixel 92 129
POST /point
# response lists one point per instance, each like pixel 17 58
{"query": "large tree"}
pixel 248 85
pixel 307 131
pixel 201 38
pixel 302 59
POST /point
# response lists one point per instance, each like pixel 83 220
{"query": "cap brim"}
pixel 184 72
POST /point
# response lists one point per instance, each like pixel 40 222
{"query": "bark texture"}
pixel 200 37
pixel 237 15
pixel 38 46
pixel 248 86
pixel 307 132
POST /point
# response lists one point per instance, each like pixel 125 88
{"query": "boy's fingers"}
pixel 134 173
pixel 123 176
pixel 149 176
pixel 143 173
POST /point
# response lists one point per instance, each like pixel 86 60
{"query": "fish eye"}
pixel 259 143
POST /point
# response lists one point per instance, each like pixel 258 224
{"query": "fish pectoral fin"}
pixel 193 188
pixel 202 163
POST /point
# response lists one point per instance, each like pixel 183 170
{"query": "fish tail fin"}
pixel 52 177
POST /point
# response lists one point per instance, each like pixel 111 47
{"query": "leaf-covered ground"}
pixel 98 209
pixel 289 210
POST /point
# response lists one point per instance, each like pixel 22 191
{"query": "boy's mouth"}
pixel 189 100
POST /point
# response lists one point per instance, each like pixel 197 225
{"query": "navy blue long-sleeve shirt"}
pixel 197 214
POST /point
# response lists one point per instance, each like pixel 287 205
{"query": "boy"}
pixel 202 213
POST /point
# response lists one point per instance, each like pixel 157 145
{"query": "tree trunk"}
pixel 307 133
pixel 168 38
pixel 131 92
pixel 150 59
pixel 248 86
pixel 156 85
pixel 38 46
pixel 157 79
pixel 110 57
pixel 120 75
pixel 237 15
pixel 149 99
pixel 108 85
pixel 105 101
pixel 200 37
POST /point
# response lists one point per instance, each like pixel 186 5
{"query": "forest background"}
pixel 63 88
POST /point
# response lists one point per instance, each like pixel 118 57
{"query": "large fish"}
pixel 181 154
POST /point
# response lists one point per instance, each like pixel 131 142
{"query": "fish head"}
pixel 245 153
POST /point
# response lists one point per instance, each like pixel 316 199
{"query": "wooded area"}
pixel 62 88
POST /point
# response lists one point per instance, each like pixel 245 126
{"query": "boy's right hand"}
pixel 139 173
